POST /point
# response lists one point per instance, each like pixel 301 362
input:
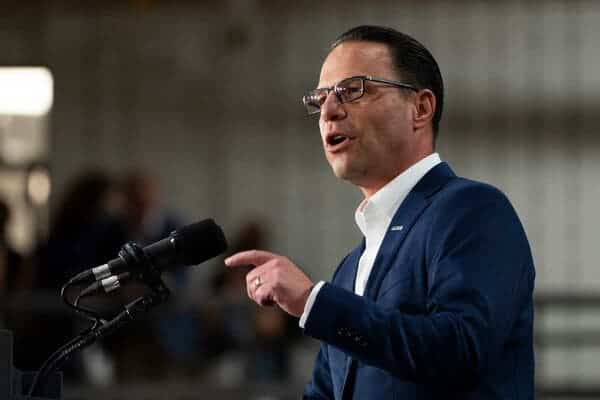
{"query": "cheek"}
pixel 321 130
pixel 386 117
pixel 393 122
pixel 375 126
pixel 385 138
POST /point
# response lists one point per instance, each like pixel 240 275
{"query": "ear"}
pixel 424 108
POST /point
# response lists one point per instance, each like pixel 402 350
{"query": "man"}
pixel 436 302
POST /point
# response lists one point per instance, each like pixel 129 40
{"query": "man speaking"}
pixel 436 302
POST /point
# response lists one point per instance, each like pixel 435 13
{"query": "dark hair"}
pixel 83 202
pixel 412 60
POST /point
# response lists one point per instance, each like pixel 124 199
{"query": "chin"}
pixel 338 173
pixel 339 169
pixel 345 172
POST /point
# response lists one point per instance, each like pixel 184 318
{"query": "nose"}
pixel 332 109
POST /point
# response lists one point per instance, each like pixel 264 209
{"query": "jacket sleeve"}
pixel 480 274
pixel 320 387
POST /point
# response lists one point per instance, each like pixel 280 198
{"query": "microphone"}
pixel 189 245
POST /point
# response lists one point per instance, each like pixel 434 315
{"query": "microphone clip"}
pixel 141 267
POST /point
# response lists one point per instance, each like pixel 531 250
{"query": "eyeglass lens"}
pixel 346 91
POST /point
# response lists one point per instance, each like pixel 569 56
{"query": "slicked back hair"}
pixel 413 62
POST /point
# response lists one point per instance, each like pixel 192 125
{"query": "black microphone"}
pixel 190 245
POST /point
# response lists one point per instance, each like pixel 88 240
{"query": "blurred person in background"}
pixel 172 334
pixel 86 230
pixel 254 342
pixel 436 302
pixel 148 218
pixel 236 316
pixel 12 271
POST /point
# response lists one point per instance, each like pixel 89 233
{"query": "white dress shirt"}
pixel 373 217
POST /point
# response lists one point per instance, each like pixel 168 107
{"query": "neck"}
pixel 374 185
pixel 372 189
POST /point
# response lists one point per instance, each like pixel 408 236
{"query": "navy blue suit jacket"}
pixel 447 311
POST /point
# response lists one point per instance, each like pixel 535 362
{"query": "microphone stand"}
pixel 159 293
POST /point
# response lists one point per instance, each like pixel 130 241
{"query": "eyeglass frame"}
pixel 362 78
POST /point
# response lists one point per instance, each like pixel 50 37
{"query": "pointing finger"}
pixel 251 257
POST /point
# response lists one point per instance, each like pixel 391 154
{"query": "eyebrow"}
pixel 341 80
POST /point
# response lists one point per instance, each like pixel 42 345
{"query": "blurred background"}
pixel 122 120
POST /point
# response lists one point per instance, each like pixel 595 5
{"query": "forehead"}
pixel 356 58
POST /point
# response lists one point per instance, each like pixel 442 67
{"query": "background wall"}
pixel 207 95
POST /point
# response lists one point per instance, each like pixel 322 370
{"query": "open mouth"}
pixel 336 139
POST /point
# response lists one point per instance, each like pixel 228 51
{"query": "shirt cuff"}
pixel 309 303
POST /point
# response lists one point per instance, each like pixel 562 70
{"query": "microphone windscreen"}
pixel 199 242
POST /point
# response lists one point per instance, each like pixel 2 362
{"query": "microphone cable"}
pixel 88 313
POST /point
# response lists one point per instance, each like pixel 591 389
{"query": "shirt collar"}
pixel 381 206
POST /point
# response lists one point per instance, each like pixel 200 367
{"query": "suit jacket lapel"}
pixel 411 208
pixel 348 278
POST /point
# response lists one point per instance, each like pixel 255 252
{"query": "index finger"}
pixel 250 257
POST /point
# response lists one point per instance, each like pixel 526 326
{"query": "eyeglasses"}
pixel 350 89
